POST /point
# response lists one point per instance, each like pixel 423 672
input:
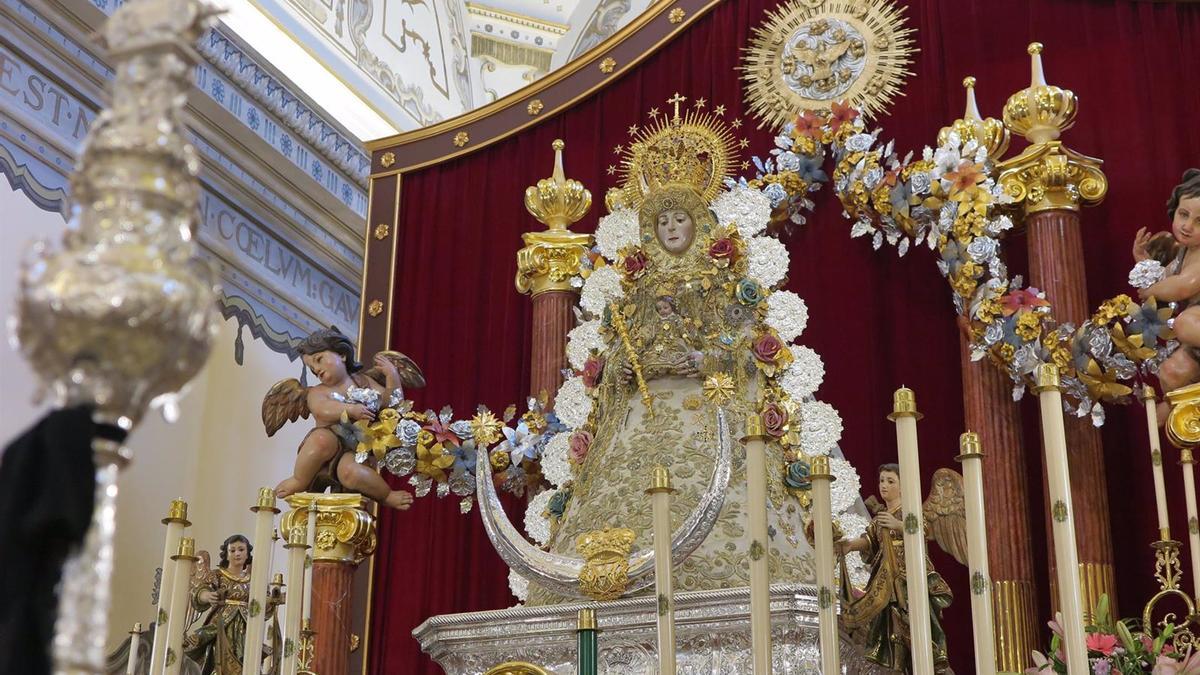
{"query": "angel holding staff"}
pixel 347 392
pixel 878 616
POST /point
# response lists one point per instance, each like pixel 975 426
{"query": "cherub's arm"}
pixel 1177 287
pixel 325 407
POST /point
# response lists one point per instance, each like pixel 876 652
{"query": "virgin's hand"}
pixel 358 411
pixel 1140 241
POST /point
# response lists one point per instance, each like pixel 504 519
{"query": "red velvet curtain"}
pixel 878 321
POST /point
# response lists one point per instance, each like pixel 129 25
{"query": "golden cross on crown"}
pixel 676 100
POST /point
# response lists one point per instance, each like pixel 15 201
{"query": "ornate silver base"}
pixel 712 628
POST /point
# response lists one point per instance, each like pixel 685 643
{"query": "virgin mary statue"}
pixel 683 339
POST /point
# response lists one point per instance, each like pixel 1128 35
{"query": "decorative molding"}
pixel 522 20
pixel 509 52
pixel 559 90
pixel 277 265
pixel 600 26
pixel 230 58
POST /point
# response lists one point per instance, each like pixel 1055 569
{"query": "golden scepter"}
pixel 618 320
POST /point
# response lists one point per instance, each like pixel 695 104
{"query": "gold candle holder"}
pixel 971 458
pixel 822 519
pixel 185 560
pixel 264 511
pixel 905 415
pixel 1066 555
pixel 176 522
pixel 660 492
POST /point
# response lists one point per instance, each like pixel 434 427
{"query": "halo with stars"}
pixel 694 145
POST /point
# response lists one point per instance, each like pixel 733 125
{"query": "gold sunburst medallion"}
pixel 808 54
pixel 694 147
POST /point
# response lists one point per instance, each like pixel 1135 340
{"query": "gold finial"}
pixel 557 201
pixel 1040 112
pixel 969 446
pixel 904 404
pixel 266 501
pixel 187 549
pixel 277 580
pixel 177 513
pixel 1047 378
pixel 137 628
pixel 586 619
pixel 1148 393
pixel 660 481
pixel 819 468
pixel 990 133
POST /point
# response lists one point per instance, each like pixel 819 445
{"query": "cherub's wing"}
pixel 946 515
pixel 287 401
pixel 202 577
pixel 410 373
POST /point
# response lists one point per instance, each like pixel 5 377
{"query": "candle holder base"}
pixel 1168 570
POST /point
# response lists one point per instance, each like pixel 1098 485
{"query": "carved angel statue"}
pixel 347 393
pixel 878 616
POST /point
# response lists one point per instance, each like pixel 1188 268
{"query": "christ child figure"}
pixel 1180 283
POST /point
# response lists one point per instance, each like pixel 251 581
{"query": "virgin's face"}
pixel 675 230
pixel 329 368
pixel 237 554
pixel 1186 225
pixel 889 486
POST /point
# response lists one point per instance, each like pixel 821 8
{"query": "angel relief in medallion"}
pixel 877 615
pixel 341 452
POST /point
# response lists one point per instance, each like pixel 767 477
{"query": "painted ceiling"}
pixel 387 66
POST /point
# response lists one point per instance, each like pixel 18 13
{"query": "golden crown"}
pixel 607 544
pixel 695 148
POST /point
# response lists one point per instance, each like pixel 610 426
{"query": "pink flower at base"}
pixel 1101 642
pixel 592 370
pixel 581 442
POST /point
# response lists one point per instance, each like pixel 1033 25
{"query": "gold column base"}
pixel 1015 611
pixel 1095 580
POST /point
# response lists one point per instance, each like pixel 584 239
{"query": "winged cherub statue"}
pixel 347 392
pixel 878 618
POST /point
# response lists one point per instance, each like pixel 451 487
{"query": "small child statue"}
pixel 324 460
pixel 1179 257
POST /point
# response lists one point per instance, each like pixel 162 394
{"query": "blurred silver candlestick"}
pixel 121 314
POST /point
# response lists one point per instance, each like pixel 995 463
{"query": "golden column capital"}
pixel 988 132
pixel 1183 424
pixel 345 530
pixel 1048 175
pixel 552 257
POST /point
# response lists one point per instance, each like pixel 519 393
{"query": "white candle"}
pixel 756 515
pixel 1160 489
pixel 977 554
pixel 905 415
pixel 256 622
pixel 1066 555
pixel 185 560
pixel 822 518
pixel 311 535
pixel 297 549
pixel 135 643
pixel 175 521
pixel 1193 525
pixel 660 505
